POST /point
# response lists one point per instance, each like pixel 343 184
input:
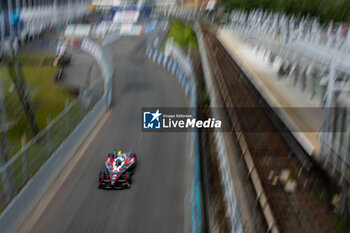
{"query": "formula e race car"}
pixel 118 171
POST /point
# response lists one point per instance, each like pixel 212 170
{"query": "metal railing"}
pixel 17 171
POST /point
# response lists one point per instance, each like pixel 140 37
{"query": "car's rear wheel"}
pixel 128 177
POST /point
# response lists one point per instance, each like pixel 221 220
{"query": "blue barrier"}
pixel 171 65
pixel 188 86
pixel 198 188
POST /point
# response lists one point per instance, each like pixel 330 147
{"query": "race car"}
pixel 118 171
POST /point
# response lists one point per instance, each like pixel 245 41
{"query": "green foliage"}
pixel 41 59
pixel 326 10
pixel 206 99
pixel 48 99
pixel 341 224
pixel 183 35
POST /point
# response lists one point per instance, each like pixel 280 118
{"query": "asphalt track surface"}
pixel 155 202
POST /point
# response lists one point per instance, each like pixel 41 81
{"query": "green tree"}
pixel 325 10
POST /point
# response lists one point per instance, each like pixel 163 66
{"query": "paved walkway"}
pixel 295 104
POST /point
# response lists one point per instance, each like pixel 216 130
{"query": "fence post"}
pixel 66 116
pixel 109 92
pixel 49 139
pixel 80 108
pixel 4 148
pixel 8 189
pixel 25 165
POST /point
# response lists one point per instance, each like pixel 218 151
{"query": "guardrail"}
pixel 156 38
pixel 102 60
pixel 28 174
pixel 111 38
pixel 186 78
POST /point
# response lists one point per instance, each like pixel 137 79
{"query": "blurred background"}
pixel 75 74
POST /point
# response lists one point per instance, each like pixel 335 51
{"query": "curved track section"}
pixel 155 202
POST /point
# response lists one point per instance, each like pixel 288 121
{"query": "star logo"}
pixel 156 115
pixel 151 120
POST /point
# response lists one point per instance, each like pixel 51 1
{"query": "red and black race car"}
pixel 118 171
